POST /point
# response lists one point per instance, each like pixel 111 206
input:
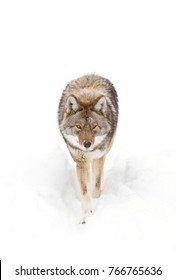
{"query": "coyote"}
pixel 88 115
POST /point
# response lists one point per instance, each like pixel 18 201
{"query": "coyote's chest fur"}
pixel 81 155
pixel 88 114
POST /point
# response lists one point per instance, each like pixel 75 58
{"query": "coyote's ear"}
pixel 71 104
pixel 101 105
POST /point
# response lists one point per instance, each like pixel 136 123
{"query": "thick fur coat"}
pixel 88 115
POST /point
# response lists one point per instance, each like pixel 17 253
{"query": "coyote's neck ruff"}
pixel 88 114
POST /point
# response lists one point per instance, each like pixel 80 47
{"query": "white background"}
pixel 45 44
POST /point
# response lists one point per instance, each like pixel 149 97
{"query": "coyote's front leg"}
pixel 97 170
pixel 83 173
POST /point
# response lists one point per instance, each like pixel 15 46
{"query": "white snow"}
pixel 133 223
pixel 44 46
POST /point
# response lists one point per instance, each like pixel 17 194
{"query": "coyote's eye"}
pixel 94 127
pixel 78 126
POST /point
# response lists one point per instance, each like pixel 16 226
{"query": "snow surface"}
pixel 132 224
pixel 45 44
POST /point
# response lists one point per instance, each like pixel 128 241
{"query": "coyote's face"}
pixel 85 125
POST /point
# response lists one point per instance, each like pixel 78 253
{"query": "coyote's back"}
pixel 88 115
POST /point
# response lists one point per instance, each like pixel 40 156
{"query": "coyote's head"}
pixel 85 123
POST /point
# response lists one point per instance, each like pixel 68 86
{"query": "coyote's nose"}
pixel 87 144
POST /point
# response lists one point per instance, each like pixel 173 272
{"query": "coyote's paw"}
pixel 83 219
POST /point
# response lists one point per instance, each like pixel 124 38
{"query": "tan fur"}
pixel 97 167
pixel 87 134
pixel 84 169
pixel 88 113
pixel 83 175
